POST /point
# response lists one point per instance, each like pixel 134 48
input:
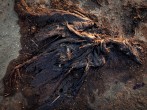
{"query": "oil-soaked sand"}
pixel 116 88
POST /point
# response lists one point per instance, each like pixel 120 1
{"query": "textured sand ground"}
pixel 10 45
pixel 9 35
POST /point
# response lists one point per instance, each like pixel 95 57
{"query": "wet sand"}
pixel 9 35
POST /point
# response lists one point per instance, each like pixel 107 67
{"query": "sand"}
pixel 9 35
